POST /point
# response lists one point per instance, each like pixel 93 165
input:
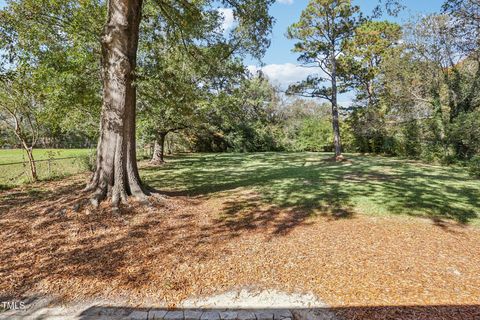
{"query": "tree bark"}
pixel 335 119
pixel 18 131
pixel 116 173
pixel 159 149
pixel 31 162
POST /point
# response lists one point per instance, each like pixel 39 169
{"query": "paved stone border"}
pixel 242 305
pixel 195 314
pixel 110 313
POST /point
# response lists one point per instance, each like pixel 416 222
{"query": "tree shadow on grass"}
pixel 306 181
pixel 264 212
pixel 423 193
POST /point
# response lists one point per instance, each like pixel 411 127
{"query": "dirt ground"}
pixel 181 247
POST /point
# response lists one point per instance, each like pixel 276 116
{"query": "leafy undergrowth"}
pixel 206 244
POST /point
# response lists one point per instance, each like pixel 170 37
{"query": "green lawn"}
pixel 18 155
pixel 14 168
pixel 308 181
pixel 370 185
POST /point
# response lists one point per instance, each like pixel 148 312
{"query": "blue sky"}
pixel 280 63
pixel 286 12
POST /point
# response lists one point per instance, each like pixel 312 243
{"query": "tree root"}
pixel 118 184
pixel 157 162
pixel 119 196
pixel 339 158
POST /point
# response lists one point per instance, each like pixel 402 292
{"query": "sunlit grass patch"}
pixel 371 185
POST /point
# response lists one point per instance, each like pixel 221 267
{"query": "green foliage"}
pixel 362 67
pixel 20 108
pixel 315 134
pixel 474 166
pixel 56 43
pixel 175 91
pixel 199 62
pixel 241 118
pixel 255 137
pixel 183 54
pixel 361 63
pixel 464 134
pixel 367 127
pixel 418 99
pixel 411 140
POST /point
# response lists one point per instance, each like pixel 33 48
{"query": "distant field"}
pixel 18 155
pixel 14 168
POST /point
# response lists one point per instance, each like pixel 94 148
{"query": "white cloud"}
pixel 228 18
pixel 346 99
pixel 285 1
pixel 285 74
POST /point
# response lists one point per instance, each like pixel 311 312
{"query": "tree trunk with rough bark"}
pixel 31 162
pixel 116 172
pixel 335 118
pixel 159 149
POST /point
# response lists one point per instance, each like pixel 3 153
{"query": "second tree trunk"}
pixel 159 149
pixel 335 118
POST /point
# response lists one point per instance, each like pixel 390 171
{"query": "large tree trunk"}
pixel 335 121
pixel 116 174
pixel 159 149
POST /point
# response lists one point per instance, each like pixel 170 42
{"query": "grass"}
pixel 308 181
pixel 372 185
pixel 18 155
pixel 14 169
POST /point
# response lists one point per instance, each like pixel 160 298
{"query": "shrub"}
pixel 315 134
pixel 474 166
pixel 464 134
pixel 87 161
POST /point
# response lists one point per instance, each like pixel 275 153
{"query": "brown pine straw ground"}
pixel 364 267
